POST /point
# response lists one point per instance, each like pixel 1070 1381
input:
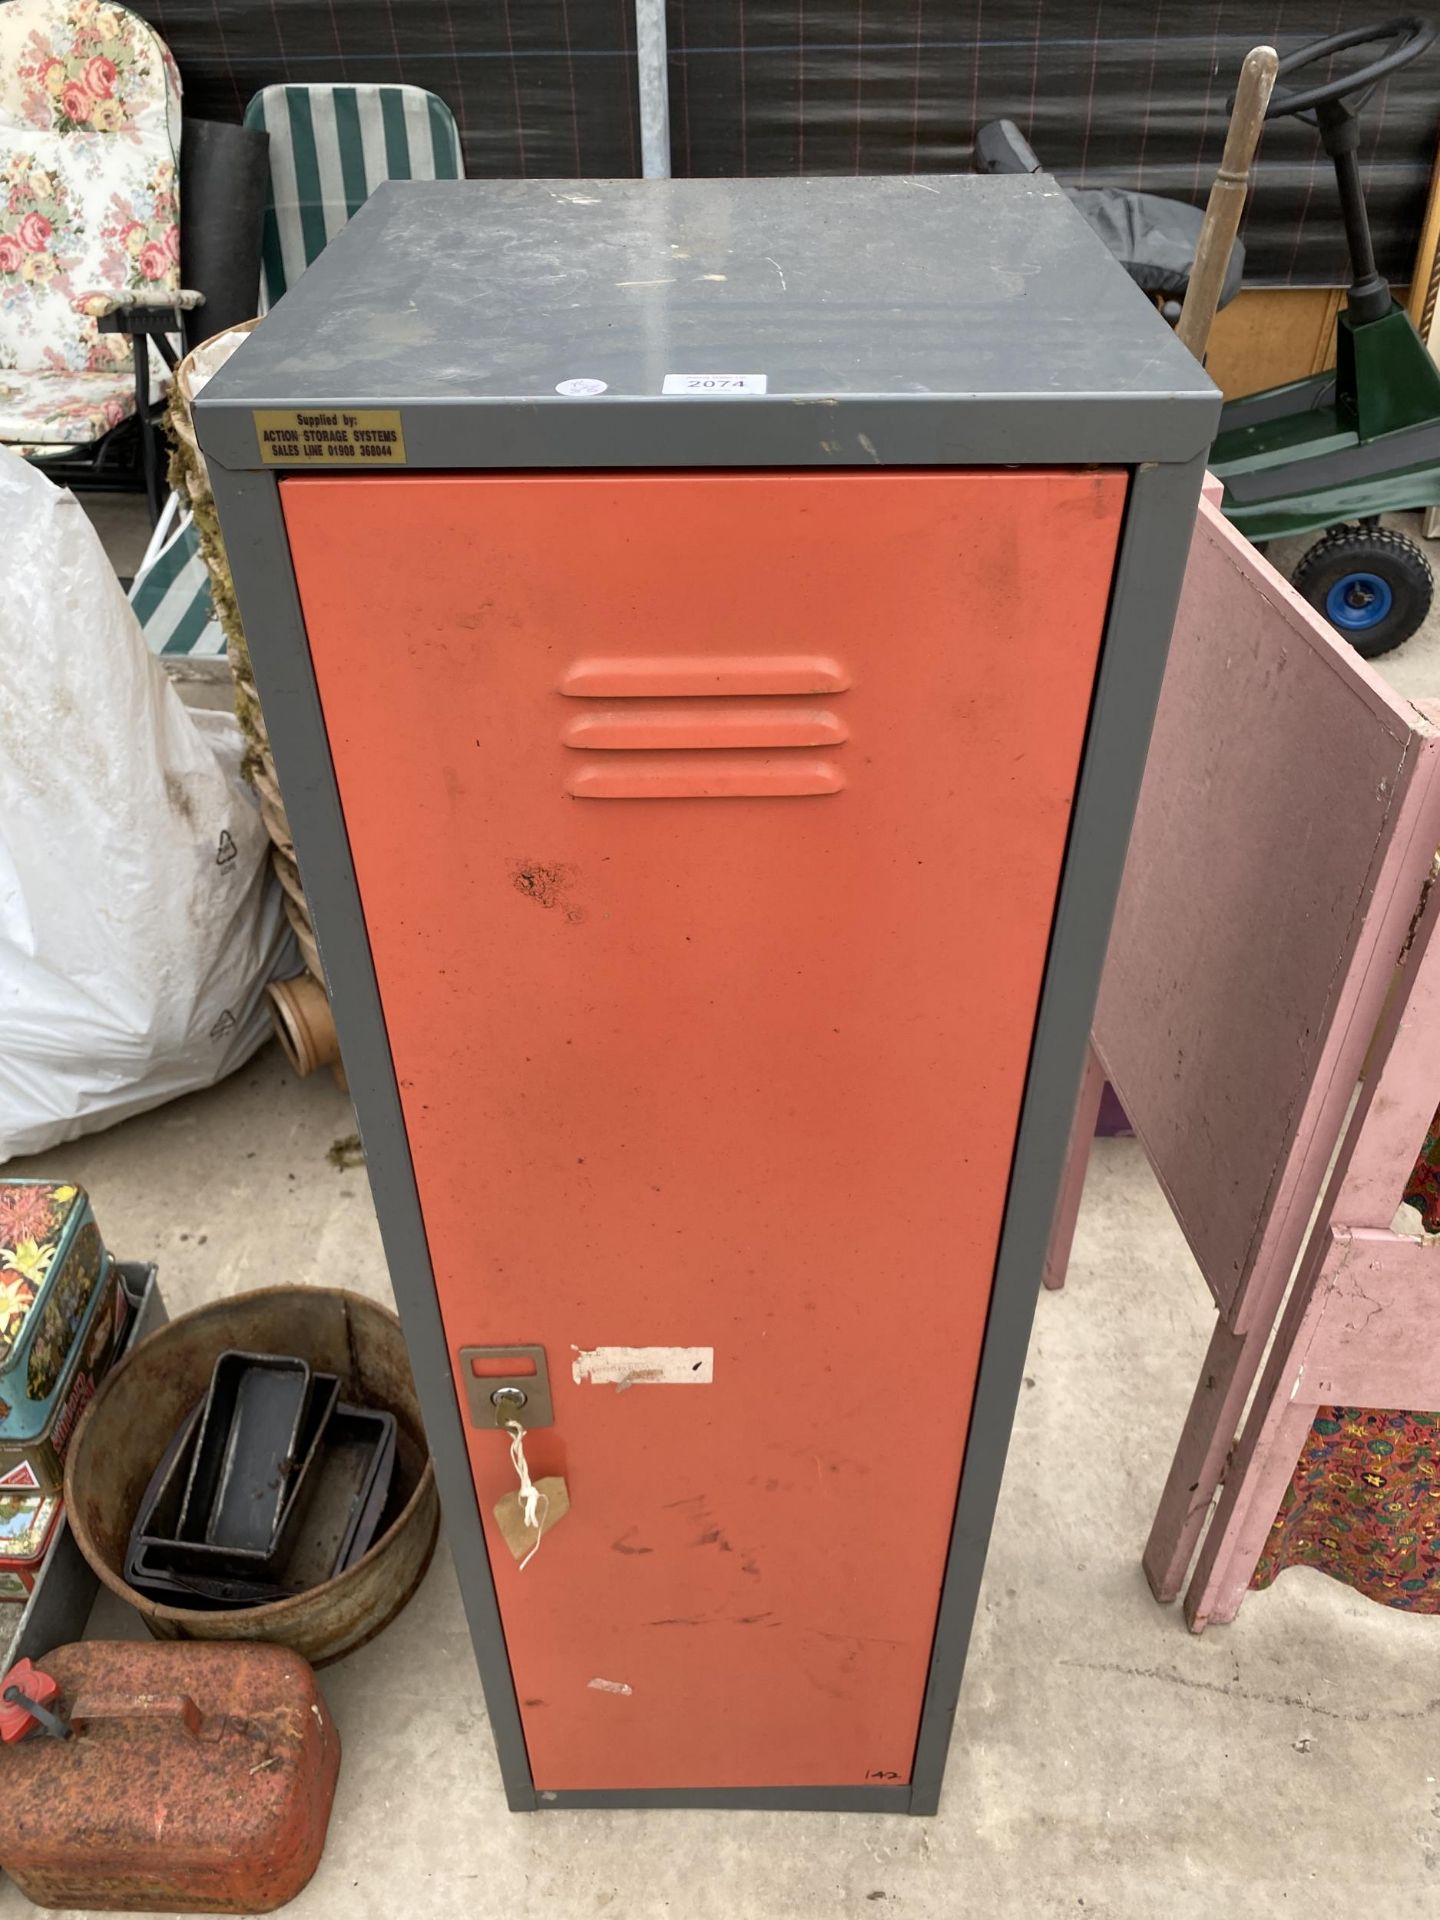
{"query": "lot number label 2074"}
pixel 713 385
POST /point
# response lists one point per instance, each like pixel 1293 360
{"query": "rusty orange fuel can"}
pixel 180 1778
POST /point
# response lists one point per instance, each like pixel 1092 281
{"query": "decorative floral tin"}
pixel 27 1525
pixel 61 1309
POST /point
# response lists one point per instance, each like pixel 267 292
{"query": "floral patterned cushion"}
pixel 55 410
pixel 76 66
pixel 89 126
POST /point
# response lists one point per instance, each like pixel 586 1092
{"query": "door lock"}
pixel 507 1386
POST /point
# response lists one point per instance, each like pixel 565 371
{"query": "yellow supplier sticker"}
pixel 331 437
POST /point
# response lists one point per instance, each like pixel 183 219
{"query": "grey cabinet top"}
pixel 946 319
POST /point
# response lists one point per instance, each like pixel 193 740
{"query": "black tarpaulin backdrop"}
pixel 1111 92
pixel 536 86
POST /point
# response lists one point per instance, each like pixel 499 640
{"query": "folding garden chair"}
pixel 89 235
pixel 170 593
pixel 330 147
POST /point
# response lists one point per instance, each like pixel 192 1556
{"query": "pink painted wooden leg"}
pixel 1199 1464
pixel 1266 1452
pixel 1254 1489
pixel 1072 1184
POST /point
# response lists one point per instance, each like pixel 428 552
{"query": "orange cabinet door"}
pixel 708 829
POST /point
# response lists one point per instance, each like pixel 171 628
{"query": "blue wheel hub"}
pixel 1358 601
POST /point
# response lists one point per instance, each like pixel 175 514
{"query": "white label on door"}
pixel 715 386
pixel 580 388
pixel 623 1367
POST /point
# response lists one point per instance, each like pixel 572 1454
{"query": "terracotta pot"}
pixel 304 1024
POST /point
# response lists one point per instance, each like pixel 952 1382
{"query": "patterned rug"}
pixel 1364 1502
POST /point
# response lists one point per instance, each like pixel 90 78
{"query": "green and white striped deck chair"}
pixel 170 594
pixel 330 147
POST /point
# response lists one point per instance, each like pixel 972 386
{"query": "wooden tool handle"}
pixel 1227 200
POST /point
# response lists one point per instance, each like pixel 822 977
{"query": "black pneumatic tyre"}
pixel 1373 586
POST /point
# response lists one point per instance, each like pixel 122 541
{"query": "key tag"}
pixel 527 1515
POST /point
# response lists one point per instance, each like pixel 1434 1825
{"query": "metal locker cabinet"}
pixel 709 632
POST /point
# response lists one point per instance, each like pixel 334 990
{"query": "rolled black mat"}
pixel 224 178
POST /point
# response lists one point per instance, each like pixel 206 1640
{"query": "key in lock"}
pixel 507 1385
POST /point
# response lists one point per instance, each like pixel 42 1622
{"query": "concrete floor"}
pixel 1105 1762
pixel 123 522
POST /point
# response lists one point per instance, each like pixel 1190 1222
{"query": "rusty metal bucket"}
pixel 122 1436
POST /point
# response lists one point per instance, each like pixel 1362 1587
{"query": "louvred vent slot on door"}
pixel 704 727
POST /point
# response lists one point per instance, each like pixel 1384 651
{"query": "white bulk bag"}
pixel 139 918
